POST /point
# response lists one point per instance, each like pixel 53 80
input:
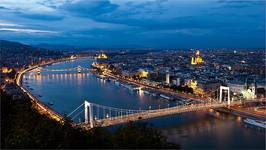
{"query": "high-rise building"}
pixel 167 78
pixel 177 81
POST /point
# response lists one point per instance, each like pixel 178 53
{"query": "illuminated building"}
pixel 249 91
pixel 196 89
pixel 177 81
pixel 167 78
pixel 79 69
pixel 73 57
pixel 6 70
pixel 101 56
pixel 196 59
pixel 142 73
pixel 193 84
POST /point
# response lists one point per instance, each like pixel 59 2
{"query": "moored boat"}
pixel 146 92
pixel 257 123
pixel 51 103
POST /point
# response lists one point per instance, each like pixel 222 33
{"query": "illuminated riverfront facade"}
pixel 247 89
pixel 196 59
pixel 196 89
pixel 142 73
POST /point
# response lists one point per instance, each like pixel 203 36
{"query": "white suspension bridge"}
pixel 100 115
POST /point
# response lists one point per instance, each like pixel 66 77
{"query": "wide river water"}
pixel 197 130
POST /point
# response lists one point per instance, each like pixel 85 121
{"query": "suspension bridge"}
pixel 78 69
pixel 100 115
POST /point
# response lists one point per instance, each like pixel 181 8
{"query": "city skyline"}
pixel 133 74
pixel 140 24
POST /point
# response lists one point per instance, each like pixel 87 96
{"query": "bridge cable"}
pixel 75 110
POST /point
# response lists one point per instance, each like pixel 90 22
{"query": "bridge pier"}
pixel 228 94
pixel 88 119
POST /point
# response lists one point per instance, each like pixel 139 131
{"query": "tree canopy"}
pixel 23 127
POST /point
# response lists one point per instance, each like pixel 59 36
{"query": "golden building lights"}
pixel 197 59
pixel 6 70
pixel 101 56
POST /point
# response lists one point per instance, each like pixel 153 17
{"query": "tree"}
pixel 139 135
pixel 23 126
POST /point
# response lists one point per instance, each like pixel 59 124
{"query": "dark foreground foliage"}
pixel 23 127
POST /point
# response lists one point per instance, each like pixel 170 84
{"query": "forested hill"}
pixel 23 127
pixel 14 54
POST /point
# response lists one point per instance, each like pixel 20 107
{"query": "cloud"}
pixel 47 17
pixel 33 9
pixel 239 2
pixel 8 24
pixel 150 14
pixel 149 22
pixel 89 8
pixel 27 5
pixel 26 30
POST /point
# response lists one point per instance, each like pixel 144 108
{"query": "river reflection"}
pixel 205 129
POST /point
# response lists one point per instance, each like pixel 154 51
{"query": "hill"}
pixel 14 54
pixel 23 127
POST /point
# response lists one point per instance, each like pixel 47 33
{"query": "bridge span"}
pixel 156 113
pixel 98 115
pixel 78 69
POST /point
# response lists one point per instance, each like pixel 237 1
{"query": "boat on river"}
pixel 257 123
pixel 146 92
pixel 166 97
pixel 51 103
pixel 117 83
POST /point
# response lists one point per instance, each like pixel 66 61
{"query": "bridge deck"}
pixel 161 112
pixel 157 113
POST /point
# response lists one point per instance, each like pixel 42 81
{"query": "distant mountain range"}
pixel 60 47
pixel 16 46
pixel 71 48
pixel 83 48
pixel 19 48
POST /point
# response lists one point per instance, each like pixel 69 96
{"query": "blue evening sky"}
pixel 135 23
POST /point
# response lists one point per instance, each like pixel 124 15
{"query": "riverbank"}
pixel 40 106
pixel 163 91
pixel 232 110
pixel 242 114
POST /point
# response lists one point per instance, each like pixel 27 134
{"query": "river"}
pixel 197 130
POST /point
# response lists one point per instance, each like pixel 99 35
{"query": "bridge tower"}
pixel 88 118
pixel 228 94
pixel 38 70
pixel 79 69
